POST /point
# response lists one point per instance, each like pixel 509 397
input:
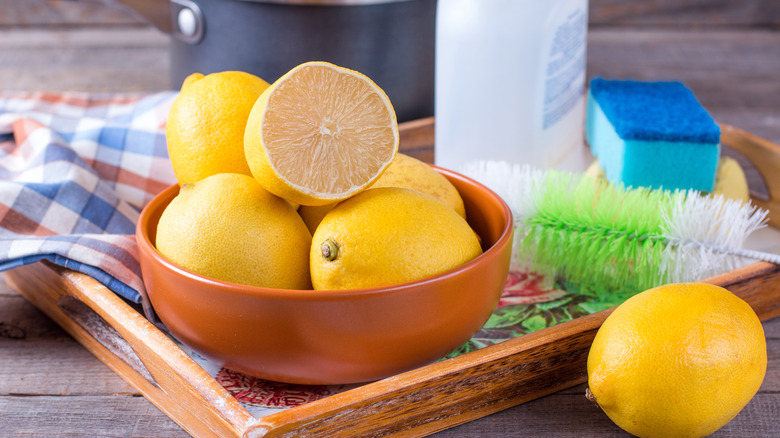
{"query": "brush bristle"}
pixel 702 230
pixel 607 236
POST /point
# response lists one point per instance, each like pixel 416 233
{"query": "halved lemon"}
pixel 320 134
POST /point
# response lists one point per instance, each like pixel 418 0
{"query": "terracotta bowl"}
pixel 332 337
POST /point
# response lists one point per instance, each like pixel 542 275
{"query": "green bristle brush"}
pixel 603 235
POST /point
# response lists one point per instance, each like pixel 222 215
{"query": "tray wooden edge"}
pixel 765 157
pixel 132 347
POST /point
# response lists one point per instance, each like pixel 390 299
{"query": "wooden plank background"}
pixel 85 45
pixel 650 13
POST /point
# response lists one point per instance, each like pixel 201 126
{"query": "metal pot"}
pixel 390 41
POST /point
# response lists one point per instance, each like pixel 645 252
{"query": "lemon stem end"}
pixel 329 249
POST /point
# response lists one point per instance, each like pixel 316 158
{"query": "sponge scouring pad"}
pixel 652 134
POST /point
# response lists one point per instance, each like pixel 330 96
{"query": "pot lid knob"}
pixel 188 21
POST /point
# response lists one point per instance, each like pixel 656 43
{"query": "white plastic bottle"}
pixel 510 77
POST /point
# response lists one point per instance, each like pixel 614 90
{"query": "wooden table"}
pixel 51 386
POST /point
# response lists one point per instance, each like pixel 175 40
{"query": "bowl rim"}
pixel 146 246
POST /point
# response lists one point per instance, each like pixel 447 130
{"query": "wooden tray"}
pixel 416 403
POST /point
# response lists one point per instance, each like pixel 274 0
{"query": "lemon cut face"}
pixel 320 134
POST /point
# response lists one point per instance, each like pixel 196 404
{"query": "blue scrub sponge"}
pixel 652 134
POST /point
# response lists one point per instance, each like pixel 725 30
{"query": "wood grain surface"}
pixel 652 13
pixel 727 52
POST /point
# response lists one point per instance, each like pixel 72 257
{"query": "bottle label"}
pixel 565 74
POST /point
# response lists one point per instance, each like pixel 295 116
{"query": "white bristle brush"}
pixel 593 233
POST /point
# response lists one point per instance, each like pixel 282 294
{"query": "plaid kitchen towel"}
pixel 75 171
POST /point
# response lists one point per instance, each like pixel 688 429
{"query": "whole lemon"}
pixel 386 236
pixel 228 227
pixel 410 173
pixel 679 360
pixel 206 122
pixel 730 180
pixel 405 172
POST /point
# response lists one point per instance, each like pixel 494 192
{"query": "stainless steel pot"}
pixel 390 41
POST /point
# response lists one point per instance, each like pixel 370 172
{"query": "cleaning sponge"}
pixel 652 134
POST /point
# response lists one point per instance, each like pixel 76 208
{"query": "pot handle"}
pixel 182 19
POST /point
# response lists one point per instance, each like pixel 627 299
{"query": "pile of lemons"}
pixel 299 184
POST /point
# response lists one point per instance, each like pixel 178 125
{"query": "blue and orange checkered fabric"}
pixel 75 171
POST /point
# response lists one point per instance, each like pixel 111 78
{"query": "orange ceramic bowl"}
pixel 332 337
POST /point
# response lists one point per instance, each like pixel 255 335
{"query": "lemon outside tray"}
pixel 415 403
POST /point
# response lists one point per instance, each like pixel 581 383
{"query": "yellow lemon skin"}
pixel 205 127
pixel 385 236
pixel 679 360
pixel 320 134
pixel 410 173
pixel 730 180
pixel 312 214
pixel 405 172
pixel 228 227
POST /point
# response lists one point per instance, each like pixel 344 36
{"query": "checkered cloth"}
pixel 75 171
